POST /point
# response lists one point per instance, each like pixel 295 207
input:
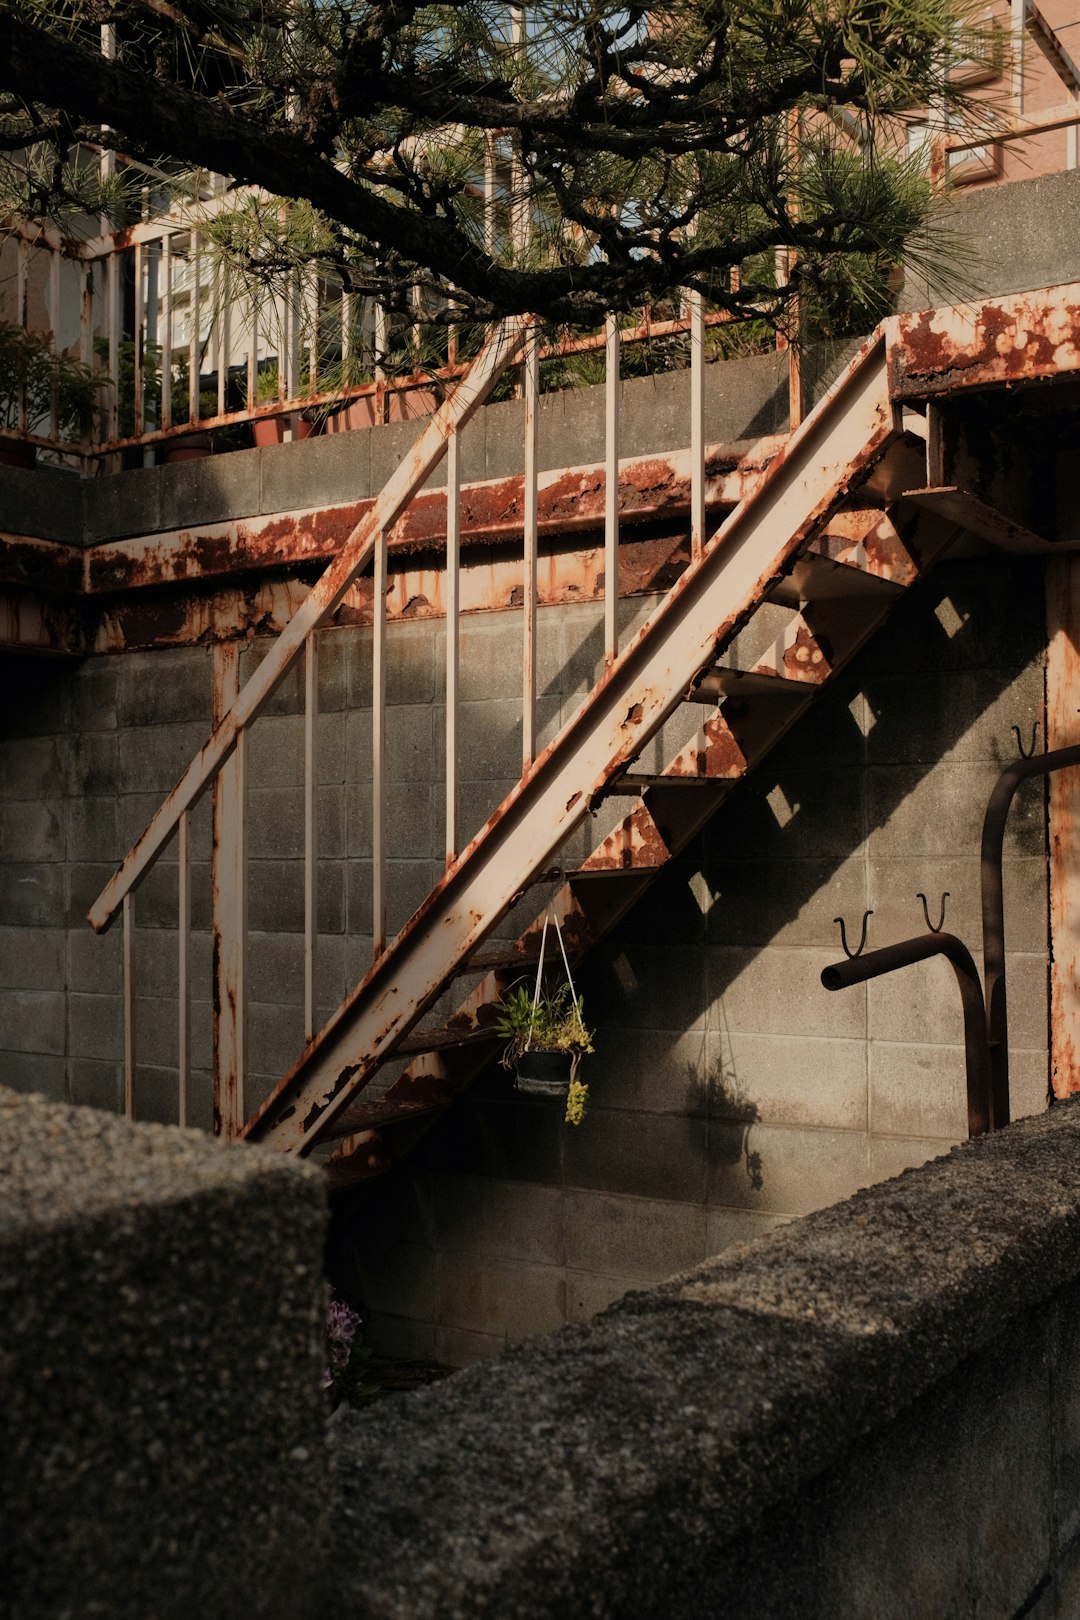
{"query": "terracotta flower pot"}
pixel 192 447
pixel 17 453
pixel 267 430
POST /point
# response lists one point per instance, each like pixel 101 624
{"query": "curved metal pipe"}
pixel 993 913
pixel 857 969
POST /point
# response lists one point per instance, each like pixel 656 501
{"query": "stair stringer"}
pixel 835 449
pixel 374 1138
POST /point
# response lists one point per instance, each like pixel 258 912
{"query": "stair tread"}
pixel 442 1038
pixel 380 1111
pixel 817 578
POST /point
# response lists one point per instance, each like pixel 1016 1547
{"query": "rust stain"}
pixel 804 657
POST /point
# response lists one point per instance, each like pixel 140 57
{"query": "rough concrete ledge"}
pixel 161 1314
pixel 625 1467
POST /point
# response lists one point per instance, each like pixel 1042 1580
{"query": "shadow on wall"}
pixel 878 792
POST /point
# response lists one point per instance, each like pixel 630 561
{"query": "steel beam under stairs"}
pixel 819 537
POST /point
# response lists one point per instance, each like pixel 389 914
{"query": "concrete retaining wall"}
pixel 161 1346
pixel 871 1414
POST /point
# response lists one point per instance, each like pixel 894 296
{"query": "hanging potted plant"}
pixel 546 1037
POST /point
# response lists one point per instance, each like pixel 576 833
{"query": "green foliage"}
pixel 633 149
pixel 553 1023
pixel 36 378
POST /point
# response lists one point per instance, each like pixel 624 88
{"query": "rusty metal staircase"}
pixel 770 606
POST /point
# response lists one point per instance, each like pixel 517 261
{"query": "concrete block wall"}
pixel 729 1091
pixel 870 1414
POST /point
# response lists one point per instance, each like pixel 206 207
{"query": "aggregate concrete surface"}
pixel 612 1469
pixel 161 1320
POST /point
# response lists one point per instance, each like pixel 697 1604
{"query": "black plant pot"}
pixel 544 1074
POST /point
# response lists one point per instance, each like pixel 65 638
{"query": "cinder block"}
pixel 408 884
pixel 778 991
pixel 727 1226
pixel 915 814
pixel 959 715
pixel 756 902
pixel 153 758
pixel 455 1347
pixel 917 1091
pixel 788 814
pixel 275 1037
pixel 96 1084
pixel 37 1072
pixel 327 471
pixel 83 883
pixel 135 811
pixel 93 764
pixel 210 490
pixel 94 694
pixel 32 1020
pixel 95 1026
pixel 411 829
pixel 31 767
pixel 490 652
pixel 783 1170
pixel 788 1080
pixel 643 1238
pixel 124 504
pixel 891 1155
pixel 43 501
pixel 917 1005
pixel 400 1337
pixel 390 444
pixel 276 896
pixel 672 910
pixel 1029 1083
pixel 157 1097
pixel 410 663
pixel 32 958
pixel 31 896
pixel 37 696
pixel 645 987
pixel 502 1138
pixel 166 688
pixel 398 1279
pixel 509 1220
pixel 275 751
pixel 982 614
pixel 1026 978
pixel 92 830
pixel 33 830
pixel 587 1294
pixel 645 1155
pixel 650 1071
pixel 501 1298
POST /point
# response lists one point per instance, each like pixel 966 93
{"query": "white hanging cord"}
pixel 540 964
pixel 566 960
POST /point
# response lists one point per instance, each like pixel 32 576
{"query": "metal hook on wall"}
pixel 926 908
pixel 1026 753
pixel 851 955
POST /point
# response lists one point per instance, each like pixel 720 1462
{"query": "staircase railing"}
pixel 221 762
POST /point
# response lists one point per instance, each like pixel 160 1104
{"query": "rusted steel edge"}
pixel 623 712
pixel 500 350
pixel 993 910
pixel 569 500
pixel 905 953
pixel 1021 338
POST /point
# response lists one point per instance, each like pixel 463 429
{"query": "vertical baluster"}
pixel 195 332
pixel 453 635
pixel 22 281
pixel 139 344
pixel 166 274
pixel 697 426
pixel 612 392
pixel 311 715
pixel 129 1004
pixel 253 355
pixel 112 317
pixel 382 330
pixel 183 973
pixel 229 908
pixel 219 316
pixel 528 705
pixel 54 329
pixel 378 752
